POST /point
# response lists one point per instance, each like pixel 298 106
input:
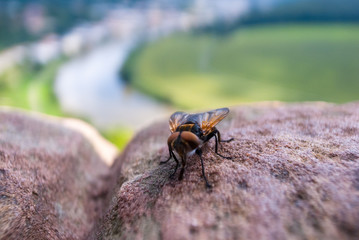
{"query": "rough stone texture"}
pixel 295 175
pixel 50 180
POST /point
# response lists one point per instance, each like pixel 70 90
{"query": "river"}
pixel 89 86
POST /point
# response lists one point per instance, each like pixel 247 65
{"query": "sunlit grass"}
pixel 285 63
pixel 118 136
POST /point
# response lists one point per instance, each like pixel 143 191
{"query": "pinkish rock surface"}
pixel 294 175
pixel 51 180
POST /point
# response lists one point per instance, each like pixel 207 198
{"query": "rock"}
pixel 51 179
pixel 294 175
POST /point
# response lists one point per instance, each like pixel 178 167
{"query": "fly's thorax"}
pixel 192 127
pixel 185 127
pixel 184 142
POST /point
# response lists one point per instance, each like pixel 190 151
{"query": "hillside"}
pixel 280 62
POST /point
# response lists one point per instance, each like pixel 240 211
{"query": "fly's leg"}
pixel 216 146
pixel 199 153
pixel 171 154
pixel 183 166
pixel 220 140
pixel 174 157
pixel 177 163
pixel 227 140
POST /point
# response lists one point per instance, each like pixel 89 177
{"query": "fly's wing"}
pixel 177 119
pixel 208 120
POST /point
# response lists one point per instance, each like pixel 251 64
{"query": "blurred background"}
pixel 120 65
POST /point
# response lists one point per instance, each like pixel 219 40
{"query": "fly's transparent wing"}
pixel 206 120
pixel 210 119
pixel 177 119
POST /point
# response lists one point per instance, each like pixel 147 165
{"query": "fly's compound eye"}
pixel 190 139
pixel 173 137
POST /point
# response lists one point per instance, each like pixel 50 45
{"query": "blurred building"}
pixel 45 50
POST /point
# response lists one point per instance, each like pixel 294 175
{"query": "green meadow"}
pixel 278 62
pixel 30 87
